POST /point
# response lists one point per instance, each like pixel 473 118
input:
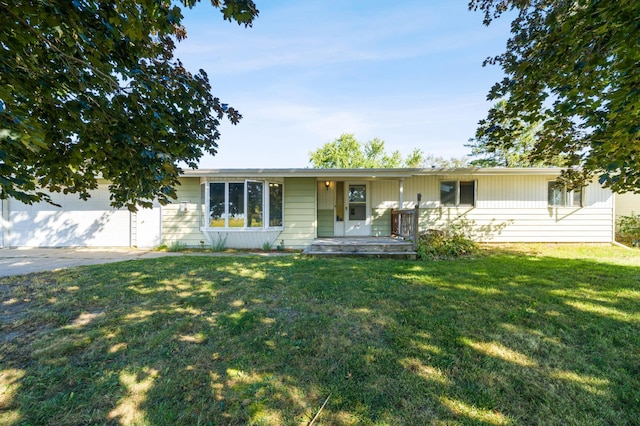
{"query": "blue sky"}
pixel 407 72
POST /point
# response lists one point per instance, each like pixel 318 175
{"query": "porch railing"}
pixel 404 224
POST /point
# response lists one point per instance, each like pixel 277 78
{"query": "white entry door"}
pixel 357 208
pixel 148 227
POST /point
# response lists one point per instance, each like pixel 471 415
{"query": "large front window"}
pixel 248 204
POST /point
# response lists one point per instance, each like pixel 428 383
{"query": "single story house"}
pixel 246 208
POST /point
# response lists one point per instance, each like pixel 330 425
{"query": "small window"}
pixel 559 196
pixel 457 193
pixel 467 193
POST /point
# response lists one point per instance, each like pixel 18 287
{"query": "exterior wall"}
pixel 178 224
pixel 512 208
pixel 384 197
pixel 326 208
pixel 76 223
pixel 627 204
pixel 299 212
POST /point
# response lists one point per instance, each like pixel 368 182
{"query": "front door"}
pixel 357 220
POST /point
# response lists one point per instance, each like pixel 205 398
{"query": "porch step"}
pixel 362 246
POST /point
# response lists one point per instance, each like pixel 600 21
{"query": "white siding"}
pixel 514 208
pixel 627 204
pixel 244 239
pixel 385 194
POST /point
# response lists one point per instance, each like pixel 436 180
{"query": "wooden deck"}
pixel 387 247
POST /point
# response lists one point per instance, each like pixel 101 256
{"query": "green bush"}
pixel 438 245
pixel 176 246
pixel 220 244
pixel 628 230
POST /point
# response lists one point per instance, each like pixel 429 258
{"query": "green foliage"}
pixel 571 66
pixel 431 161
pixel 449 244
pixel 176 246
pixel 628 230
pixel 220 244
pixel 347 152
pixel 514 152
pixel 266 246
pixel 91 89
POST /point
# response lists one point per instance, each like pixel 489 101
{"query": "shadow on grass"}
pixel 503 339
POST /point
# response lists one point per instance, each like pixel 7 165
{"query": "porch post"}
pixel 401 194
pixel 416 223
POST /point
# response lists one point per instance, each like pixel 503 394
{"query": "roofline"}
pixel 372 173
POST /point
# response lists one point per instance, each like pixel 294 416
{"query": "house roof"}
pixel 369 173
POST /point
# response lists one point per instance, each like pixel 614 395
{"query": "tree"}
pixel 515 152
pixel 346 152
pixel 574 67
pixel 430 161
pixel 91 89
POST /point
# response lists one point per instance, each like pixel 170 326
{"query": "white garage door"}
pixel 76 223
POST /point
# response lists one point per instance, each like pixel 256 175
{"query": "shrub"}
pixel 219 245
pixel 266 246
pixel 176 246
pixel 437 245
pixel 628 230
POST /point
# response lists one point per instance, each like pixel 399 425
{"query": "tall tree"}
pixel 514 152
pixel 573 66
pixel 91 89
pixel 346 152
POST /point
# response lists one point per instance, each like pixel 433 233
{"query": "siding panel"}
pixel 299 212
pixel 184 226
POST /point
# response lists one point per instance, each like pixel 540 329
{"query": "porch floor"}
pixel 362 246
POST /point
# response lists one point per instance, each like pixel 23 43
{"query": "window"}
pixel 560 196
pixel 249 204
pixel 275 204
pixel 458 193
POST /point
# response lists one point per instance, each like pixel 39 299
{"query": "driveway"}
pixel 26 260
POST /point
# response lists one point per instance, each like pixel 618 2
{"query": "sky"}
pixel 407 72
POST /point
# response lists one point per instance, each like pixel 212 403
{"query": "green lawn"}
pixel 534 335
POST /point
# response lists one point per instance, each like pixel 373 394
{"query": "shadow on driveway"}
pixel 18 261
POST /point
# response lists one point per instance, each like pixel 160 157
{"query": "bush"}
pixel 438 245
pixel 220 244
pixel 628 230
pixel 176 246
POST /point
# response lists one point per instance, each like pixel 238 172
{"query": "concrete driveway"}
pixel 26 260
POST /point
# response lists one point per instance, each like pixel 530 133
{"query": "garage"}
pixel 92 223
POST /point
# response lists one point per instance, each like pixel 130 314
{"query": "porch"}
pixel 382 247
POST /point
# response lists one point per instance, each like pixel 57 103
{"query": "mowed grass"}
pixel 521 335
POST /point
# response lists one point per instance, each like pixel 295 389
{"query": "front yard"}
pixel 521 335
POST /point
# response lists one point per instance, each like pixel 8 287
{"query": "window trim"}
pixel 266 207
pixel 457 182
pixel 567 196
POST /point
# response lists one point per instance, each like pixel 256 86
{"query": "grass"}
pixel 520 335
